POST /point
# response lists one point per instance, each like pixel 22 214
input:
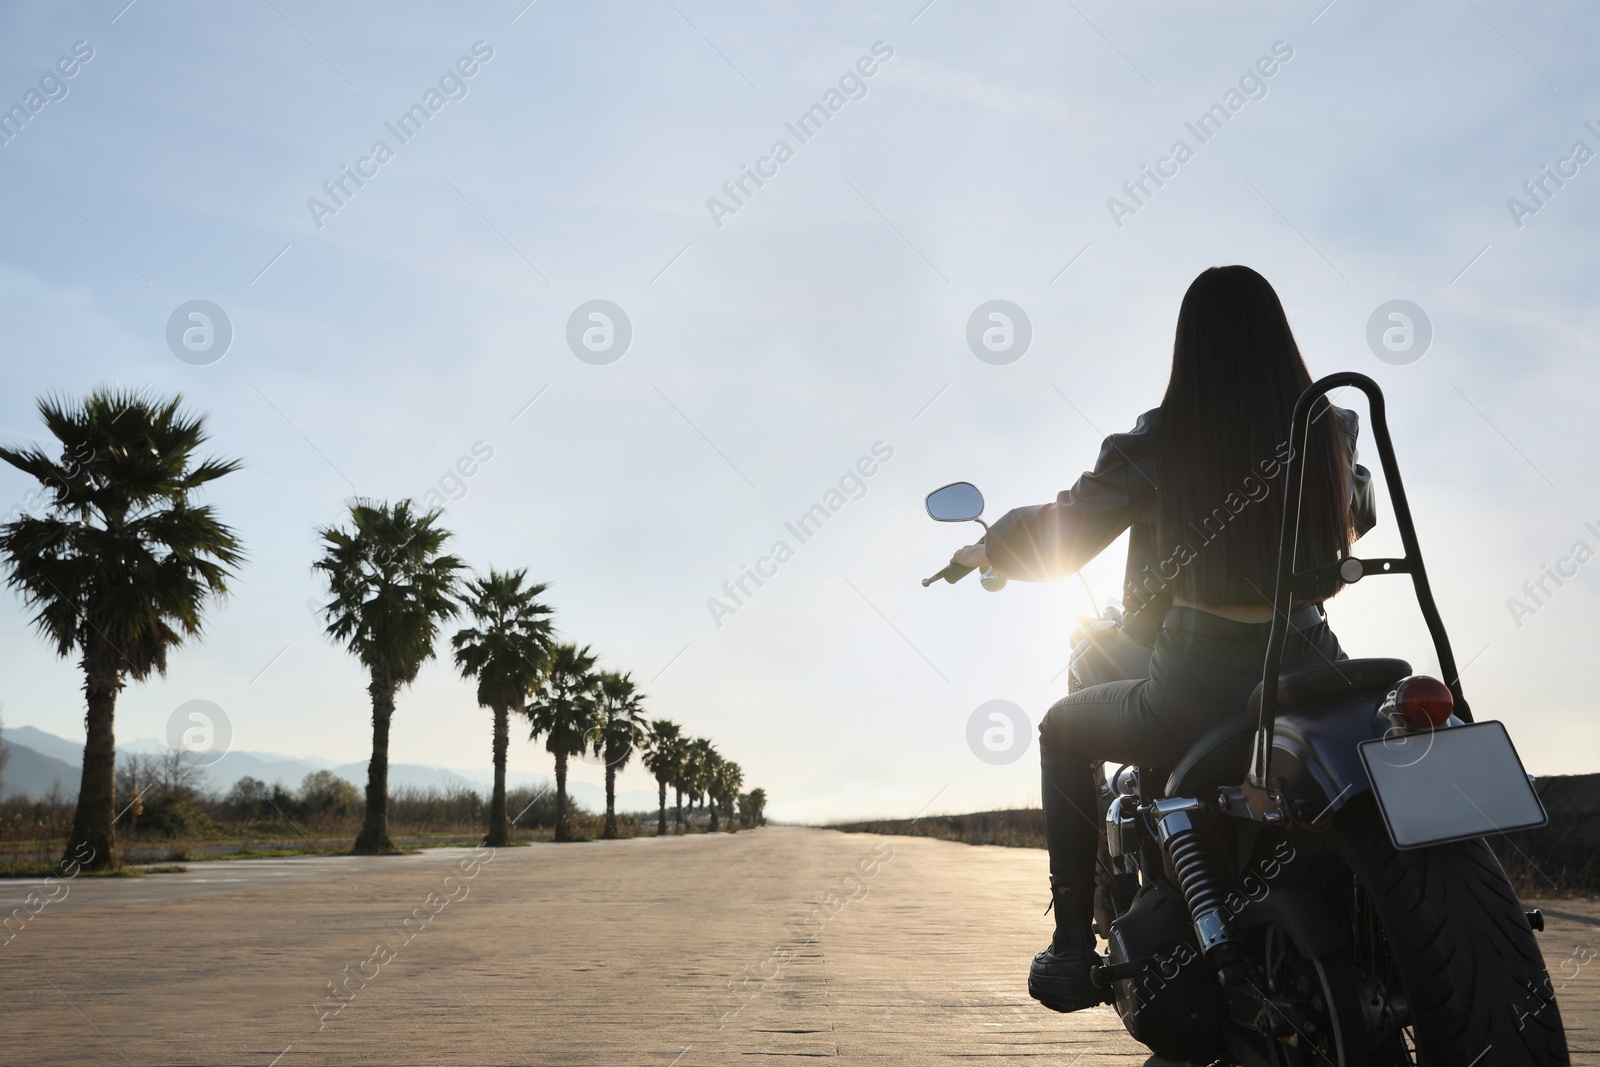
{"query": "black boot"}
pixel 1059 977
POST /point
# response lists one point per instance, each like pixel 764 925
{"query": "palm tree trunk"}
pixel 661 823
pixel 499 832
pixel 374 836
pixel 713 816
pixel 610 831
pixel 677 817
pixel 561 797
pixel 92 833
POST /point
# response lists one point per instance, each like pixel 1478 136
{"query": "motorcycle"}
pixel 1310 884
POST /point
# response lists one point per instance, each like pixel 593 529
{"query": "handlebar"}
pixel 952 574
pixel 955 572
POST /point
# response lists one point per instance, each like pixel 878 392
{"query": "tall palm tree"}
pixel 754 804
pixel 684 770
pixel 391 586
pixel 121 563
pixel 710 780
pixel 725 786
pixel 735 783
pixel 697 767
pixel 565 708
pixel 662 753
pixel 505 651
pixel 621 731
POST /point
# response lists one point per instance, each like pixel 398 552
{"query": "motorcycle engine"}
pixel 1170 1004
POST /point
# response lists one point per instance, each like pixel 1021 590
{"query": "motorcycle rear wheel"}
pixel 1445 926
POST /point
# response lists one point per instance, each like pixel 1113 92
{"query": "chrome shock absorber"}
pixel 1181 823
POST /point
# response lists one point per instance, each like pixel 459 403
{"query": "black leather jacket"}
pixel 1048 541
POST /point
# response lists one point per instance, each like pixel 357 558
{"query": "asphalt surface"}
pixel 744 949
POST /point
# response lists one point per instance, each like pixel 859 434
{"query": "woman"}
pixel 1197 484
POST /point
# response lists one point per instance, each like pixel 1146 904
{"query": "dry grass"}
pixel 1553 862
pixel 1017 828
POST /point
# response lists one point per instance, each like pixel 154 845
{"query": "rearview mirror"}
pixel 956 502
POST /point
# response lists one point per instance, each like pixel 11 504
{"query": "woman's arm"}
pixel 1048 541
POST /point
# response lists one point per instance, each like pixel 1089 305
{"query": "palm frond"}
pixel 122 555
pixel 565 706
pixel 390 585
pixel 508 648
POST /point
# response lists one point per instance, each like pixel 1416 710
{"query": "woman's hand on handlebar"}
pixel 972 556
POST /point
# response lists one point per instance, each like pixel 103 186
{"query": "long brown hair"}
pixel 1223 445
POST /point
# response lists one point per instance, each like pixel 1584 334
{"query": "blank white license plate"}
pixel 1451 784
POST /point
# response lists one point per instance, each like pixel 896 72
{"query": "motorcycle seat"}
pixel 1221 755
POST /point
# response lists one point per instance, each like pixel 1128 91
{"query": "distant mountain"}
pixel 45 744
pixel 151 747
pixel 31 773
pixel 39 759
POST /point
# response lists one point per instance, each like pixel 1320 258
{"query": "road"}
pixel 677 952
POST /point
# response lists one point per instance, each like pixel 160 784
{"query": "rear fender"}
pixel 1315 762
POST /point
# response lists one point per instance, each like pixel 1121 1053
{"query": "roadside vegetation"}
pixel 1016 828
pixel 119 562
pixel 1559 860
pixel 177 821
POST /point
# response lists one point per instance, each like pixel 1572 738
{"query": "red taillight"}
pixel 1422 703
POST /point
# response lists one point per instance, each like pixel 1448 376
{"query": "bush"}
pixel 174 815
pixel 412 809
pixel 537 807
pixel 250 800
pixel 158 803
pixel 325 793
pixel 39 822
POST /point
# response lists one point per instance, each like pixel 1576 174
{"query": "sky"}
pixel 429 330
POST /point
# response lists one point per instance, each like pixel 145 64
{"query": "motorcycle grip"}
pixel 952 574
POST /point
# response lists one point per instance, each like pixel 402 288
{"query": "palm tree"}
pixel 621 731
pixel 683 774
pixel 753 806
pixel 697 769
pixel 725 786
pixel 506 652
pixel 735 783
pixel 391 586
pixel 565 708
pixel 121 563
pixel 712 781
pixel 662 753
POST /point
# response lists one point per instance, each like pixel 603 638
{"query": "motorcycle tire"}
pixel 1475 980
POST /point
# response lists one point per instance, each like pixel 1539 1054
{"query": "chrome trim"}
pixel 1122 826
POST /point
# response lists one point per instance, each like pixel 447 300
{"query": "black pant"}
pixel 1202 671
